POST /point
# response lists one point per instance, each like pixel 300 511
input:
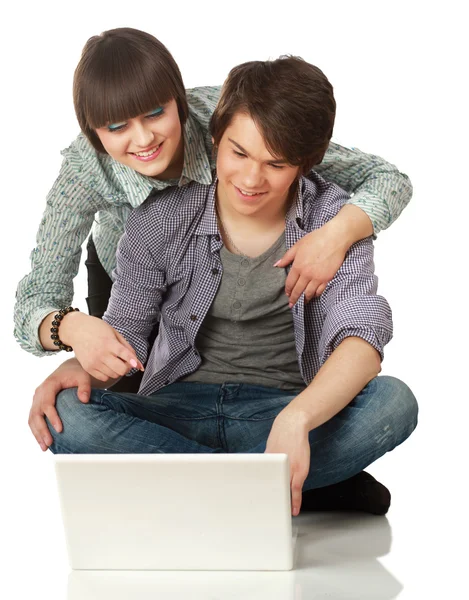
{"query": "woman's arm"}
pixel 55 260
pixel 377 187
pixel 380 193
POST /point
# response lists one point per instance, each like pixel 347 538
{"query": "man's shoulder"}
pixel 322 199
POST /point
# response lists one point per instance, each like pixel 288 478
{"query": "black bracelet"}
pixel 55 329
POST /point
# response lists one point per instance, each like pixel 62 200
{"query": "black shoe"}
pixel 361 493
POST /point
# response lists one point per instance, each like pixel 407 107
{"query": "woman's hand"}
pixel 316 259
pixel 289 435
pixel 99 348
pixel 69 375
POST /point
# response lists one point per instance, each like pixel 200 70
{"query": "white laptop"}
pixel 176 511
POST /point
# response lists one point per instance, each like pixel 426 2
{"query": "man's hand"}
pixel 289 435
pixel 70 374
pixel 316 259
pixel 99 348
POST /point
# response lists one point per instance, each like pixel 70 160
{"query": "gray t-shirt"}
pixel 247 335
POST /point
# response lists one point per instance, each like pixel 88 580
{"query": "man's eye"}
pixel 239 153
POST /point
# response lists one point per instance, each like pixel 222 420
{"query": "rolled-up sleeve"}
pixel 378 187
pixel 134 305
pixel 351 307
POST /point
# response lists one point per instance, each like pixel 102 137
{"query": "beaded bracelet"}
pixel 55 328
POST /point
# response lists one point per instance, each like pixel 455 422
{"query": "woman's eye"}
pixel 155 113
pixel 277 166
pixel 116 127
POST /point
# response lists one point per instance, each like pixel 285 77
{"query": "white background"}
pixel 399 71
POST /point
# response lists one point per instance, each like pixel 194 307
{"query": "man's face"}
pixel 250 180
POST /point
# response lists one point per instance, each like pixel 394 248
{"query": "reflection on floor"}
pixel 336 557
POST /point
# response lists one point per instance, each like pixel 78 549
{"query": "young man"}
pixel 236 367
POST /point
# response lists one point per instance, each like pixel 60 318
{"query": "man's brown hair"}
pixel 291 102
pixel 124 73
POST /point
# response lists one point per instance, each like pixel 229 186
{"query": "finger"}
pixel 299 288
pixel 54 419
pixel 99 375
pixel 287 258
pixel 320 289
pixel 311 291
pixel 292 279
pixel 84 389
pixel 104 373
pixel 131 357
pixel 37 434
pixel 41 431
pixel 296 489
pixel 117 365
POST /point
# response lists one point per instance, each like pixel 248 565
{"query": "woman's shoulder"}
pixel 202 102
pixel 176 206
pixel 93 169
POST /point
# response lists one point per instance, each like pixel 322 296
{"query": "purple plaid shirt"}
pixel 169 270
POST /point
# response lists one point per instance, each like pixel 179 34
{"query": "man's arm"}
pixel 356 326
pixel 352 365
pixel 140 280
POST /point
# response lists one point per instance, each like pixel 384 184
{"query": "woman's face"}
pixel 151 144
pixel 250 180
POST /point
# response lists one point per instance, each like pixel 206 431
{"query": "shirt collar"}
pixel 295 212
pixel 208 224
pixel 196 167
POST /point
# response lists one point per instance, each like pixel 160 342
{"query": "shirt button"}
pixel 193 317
pixel 236 304
pixel 217 237
pixel 214 271
pixel 245 262
pixel 241 281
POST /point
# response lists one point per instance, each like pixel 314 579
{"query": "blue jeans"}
pixel 192 417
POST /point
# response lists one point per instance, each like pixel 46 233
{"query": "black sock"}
pixel 361 492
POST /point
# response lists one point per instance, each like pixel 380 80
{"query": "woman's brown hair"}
pixel 123 73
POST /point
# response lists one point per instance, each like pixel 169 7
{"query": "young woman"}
pixel 141 133
pixel 234 368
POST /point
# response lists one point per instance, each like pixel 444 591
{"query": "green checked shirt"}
pixel 93 192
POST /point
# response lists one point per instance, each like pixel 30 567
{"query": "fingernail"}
pixel 277 263
pixel 133 362
pixel 288 294
pixel 290 305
